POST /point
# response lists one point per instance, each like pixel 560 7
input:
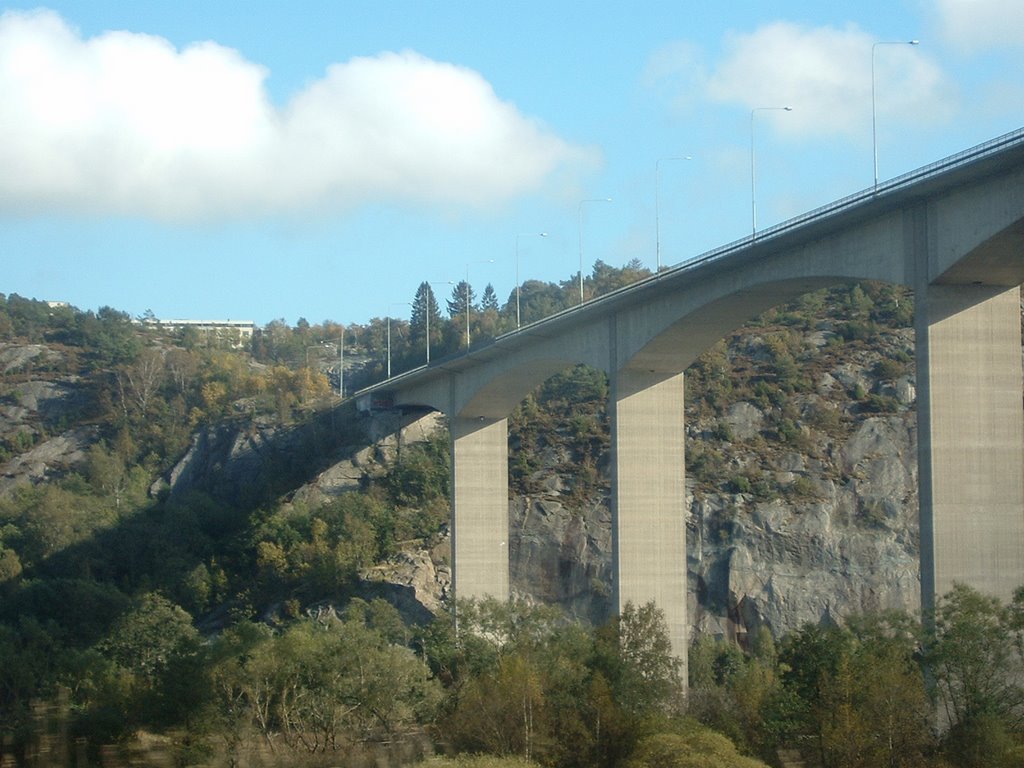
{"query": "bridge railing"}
pixel 902 181
pixel 973 154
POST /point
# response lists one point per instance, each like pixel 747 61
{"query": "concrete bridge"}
pixel 953 232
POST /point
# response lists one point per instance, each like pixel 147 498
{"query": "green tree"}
pixel 696 748
pixel 109 337
pixel 736 693
pixel 324 687
pixel 520 683
pixel 605 278
pixel 463 297
pixel 160 653
pixel 425 313
pixel 975 657
pixel 861 692
pixel 502 712
pixel 637 657
pixel 489 301
pixel 29 671
pixel 112 478
pixel 538 300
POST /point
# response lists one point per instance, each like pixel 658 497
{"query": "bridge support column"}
pixel 970 439
pixel 648 498
pixel 480 507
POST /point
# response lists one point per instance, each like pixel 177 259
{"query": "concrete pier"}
pixel 970 438
pixel 649 497
pixel 480 507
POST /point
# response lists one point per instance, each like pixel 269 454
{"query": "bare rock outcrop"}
pixel 52 457
pixel 847 542
pixel 38 418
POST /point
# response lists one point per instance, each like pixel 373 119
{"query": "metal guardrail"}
pixel 903 181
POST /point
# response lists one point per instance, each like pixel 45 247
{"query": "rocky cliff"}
pixel 801 484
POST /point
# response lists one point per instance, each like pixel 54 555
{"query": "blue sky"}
pixel 261 160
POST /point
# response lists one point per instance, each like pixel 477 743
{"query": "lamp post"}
pixel 657 206
pixel 753 166
pixel 482 261
pixel 579 218
pixel 874 135
pixel 394 304
pixel 522 234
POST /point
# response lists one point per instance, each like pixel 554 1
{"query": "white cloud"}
pixel 124 123
pixel 824 73
pixel 975 24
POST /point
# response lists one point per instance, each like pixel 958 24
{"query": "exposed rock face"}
pixel 230 460
pixel 52 456
pixel 417 583
pixel 847 542
pixel 225 459
pixel 853 548
pixel 386 433
pixel 819 522
pixel 557 555
pixel 35 415
pixel 23 357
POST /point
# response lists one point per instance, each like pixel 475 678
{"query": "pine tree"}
pixel 425 314
pixel 489 300
pixel 462 295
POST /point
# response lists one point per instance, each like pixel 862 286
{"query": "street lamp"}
pixel 657 205
pixel 483 261
pixel 753 172
pixel 522 234
pixel 579 218
pixel 874 136
pixel 393 304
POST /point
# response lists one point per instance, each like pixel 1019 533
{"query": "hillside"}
pixel 137 463
pixel 800 459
